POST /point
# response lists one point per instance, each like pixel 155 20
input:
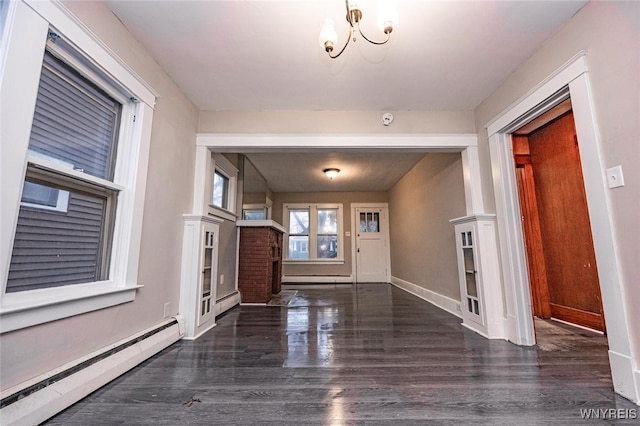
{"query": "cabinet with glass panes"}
pixel 479 274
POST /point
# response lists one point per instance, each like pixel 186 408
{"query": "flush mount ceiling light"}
pixel 387 19
pixel 331 173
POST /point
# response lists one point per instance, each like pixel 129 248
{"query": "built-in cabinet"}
pixel 199 273
pixel 478 268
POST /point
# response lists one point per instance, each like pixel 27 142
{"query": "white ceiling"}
pixel 359 171
pixel 264 55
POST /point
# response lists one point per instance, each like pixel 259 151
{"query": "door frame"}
pixel 354 226
pixel 570 80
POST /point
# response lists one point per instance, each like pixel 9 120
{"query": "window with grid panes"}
pixel 314 232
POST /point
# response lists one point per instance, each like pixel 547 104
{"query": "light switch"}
pixel 615 178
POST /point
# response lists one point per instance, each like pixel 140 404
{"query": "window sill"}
pixel 313 262
pixel 29 308
pixel 222 213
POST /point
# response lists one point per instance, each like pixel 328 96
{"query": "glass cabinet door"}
pixel 207 278
pixel 470 274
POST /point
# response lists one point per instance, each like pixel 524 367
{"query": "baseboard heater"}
pixel 43 397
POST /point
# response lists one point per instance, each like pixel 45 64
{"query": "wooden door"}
pixel 562 266
pixel 540 301
pixel 371 244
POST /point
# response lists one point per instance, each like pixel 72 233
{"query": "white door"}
pixel 372 245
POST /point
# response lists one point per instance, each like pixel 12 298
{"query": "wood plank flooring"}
pixel 365 354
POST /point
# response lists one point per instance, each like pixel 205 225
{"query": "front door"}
pixel 372 244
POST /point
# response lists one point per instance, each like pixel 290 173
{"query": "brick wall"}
pixel 260 264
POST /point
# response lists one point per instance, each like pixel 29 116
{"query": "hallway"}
pixel 362 354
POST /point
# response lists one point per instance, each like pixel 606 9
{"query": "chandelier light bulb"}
pixel 328 35
pixel 387 15
pixel 387 19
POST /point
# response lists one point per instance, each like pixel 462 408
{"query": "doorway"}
pixel 561 260
pixel 371 228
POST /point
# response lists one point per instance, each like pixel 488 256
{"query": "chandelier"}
pixel 387 19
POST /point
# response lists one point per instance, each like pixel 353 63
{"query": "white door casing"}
pixel 570 80
pixel 371 257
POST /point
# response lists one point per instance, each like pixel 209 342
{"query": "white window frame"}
pixel 313 233
pixel 224 167
pixel 27 25
pixel 247 208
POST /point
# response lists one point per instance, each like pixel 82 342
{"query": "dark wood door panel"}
pixel 556 224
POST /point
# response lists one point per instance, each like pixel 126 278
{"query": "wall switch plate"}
pixel 615 178
pixel 167 310
pixel 221 279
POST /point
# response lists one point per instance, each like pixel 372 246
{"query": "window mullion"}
pixel 313 232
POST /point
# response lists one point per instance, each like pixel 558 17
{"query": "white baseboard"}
pixel 226 303
pixel 443 302
pixel 220 307
pixel 471 326
pixel 331 279
pixel 42 404
pixel 626 380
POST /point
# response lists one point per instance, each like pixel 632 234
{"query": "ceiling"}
pixel 250 55
pixel 359 171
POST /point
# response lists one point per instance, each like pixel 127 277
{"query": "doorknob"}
pixel 358 249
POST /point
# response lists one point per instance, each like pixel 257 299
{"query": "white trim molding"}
pixel 436 299
pixel 570 80
pixel 223 142
pixel 79 378
pixel 324 279
pixel 225 303
pixel 20 67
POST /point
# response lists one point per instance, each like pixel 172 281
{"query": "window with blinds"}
pixel 64 230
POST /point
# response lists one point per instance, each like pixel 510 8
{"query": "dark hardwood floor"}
pixel 367 354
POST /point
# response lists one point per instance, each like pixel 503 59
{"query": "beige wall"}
pixel 423 249
pixel 346 198
pixel 610 32
pixel 29 352
pixel 335 122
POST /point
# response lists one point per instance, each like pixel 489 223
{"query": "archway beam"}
pixel 248 143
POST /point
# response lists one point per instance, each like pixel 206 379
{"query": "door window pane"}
pixel 370 222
